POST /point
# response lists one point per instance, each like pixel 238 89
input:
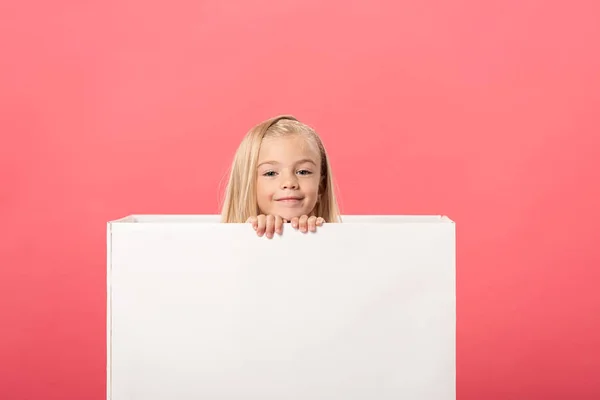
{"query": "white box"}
pixel 364 309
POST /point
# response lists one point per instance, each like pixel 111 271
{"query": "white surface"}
pixel 202 310
pixel 182 218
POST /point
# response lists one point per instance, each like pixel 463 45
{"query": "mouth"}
pixel 289 199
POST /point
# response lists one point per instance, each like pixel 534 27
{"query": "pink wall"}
pixel 486 111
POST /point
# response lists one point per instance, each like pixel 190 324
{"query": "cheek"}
pixel 313 189
pixel 317 183
pixel 264 191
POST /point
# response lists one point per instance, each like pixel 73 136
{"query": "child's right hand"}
pixel 268 224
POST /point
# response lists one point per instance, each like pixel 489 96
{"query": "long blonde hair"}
pixel 240 194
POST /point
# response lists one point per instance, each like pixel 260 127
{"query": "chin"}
pixel 288 214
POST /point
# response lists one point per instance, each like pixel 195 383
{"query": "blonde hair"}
pixel 240 201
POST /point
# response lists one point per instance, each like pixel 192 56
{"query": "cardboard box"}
pixel 364 309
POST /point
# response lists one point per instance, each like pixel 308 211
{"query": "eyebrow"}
pixel 304 160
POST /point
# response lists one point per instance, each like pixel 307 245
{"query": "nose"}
pixel 289 181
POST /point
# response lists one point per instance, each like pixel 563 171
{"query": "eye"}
pixel 269 173
pixel 304 172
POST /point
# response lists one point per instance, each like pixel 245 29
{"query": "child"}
pixel 280 173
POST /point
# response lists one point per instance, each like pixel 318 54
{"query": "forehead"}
pixel 288 148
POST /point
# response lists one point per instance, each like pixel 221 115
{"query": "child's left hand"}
pixel 306 223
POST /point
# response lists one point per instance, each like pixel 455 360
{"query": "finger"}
pixel 279 225
pixel 253 221
pixel 295 222
pixel 303 223
pixel 270 226
pixel 320 221
pixel 312 224
pixel 261 225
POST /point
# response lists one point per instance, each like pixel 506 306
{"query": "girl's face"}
pixel 288 177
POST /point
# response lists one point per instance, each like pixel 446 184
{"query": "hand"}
pixel 267 224
pixel 306 223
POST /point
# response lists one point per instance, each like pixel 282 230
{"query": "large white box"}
pixel 364 309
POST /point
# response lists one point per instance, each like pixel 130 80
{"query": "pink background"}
pixel 488 112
